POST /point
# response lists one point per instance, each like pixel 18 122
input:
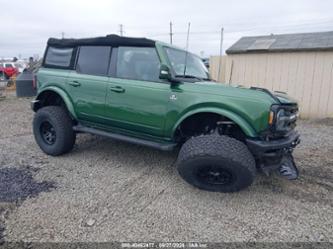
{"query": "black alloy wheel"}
pixel 48 132
pixel 215 175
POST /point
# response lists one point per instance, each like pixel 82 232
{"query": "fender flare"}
pixel 242 123
pixel 63 95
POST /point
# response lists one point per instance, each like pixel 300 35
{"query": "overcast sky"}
pixel 26 25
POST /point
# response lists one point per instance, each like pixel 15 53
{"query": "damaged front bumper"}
pixel 276 154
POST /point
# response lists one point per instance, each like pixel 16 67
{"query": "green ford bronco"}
pixel 151 93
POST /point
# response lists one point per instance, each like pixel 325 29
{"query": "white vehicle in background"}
pixel 20 65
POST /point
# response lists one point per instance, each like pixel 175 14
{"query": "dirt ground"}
pixel 105 190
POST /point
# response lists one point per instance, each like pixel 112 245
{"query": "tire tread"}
pixel 64 123
pixel 217 146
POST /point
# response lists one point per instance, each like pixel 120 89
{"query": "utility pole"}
pixel 220 62
pixel 121 30
pixel 171 33
pixel 62 35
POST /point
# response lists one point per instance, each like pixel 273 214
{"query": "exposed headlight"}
pixel 281 119
pixel 280 122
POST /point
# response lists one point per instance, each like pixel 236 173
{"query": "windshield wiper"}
pixel 187 76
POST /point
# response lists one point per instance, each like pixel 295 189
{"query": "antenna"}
pixel 220 61
pixel 187 39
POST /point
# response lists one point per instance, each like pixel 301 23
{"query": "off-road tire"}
pixel 62 124
pixel 216 154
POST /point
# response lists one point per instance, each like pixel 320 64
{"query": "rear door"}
pixel 137 99
pixel 88 83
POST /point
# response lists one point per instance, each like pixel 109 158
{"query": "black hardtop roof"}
pixel 109 40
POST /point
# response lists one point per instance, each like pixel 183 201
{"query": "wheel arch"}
pixel 55 91
pixel 238 120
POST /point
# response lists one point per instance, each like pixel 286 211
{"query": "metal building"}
pixel 299 64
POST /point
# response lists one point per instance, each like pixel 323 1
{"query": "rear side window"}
pixel 93 60
pixel 138 63
pixel 58 57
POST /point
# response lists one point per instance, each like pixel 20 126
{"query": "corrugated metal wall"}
pixel 306 76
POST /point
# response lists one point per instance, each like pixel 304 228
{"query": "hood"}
pixel 280 97
pixel 284 98
pixel 276 96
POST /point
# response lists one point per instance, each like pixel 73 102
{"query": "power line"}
pixel 248 22
pixel 289 26
pixel 261 29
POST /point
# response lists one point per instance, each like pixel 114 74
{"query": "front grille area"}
pixel 288 120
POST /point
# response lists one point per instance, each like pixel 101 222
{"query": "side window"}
pixel 58 57
pixel 138 63
pixel 93 60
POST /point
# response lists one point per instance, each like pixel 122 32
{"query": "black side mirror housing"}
pixel 165 73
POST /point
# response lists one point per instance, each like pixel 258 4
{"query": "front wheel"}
pixel 216 163
pixel 53 130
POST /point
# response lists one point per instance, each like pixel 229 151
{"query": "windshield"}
pixel 194 66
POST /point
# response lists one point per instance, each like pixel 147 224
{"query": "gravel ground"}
pixel 105 190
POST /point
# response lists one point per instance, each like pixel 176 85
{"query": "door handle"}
pixel 74 83
pixel 117 89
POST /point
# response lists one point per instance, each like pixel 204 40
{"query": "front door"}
pixel 137 99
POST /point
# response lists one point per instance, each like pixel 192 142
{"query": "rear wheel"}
pixel 216 163
pixel 52 127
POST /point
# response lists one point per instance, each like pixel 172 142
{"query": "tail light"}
pixel 34 81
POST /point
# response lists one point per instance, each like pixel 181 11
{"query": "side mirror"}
pixel 165 73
